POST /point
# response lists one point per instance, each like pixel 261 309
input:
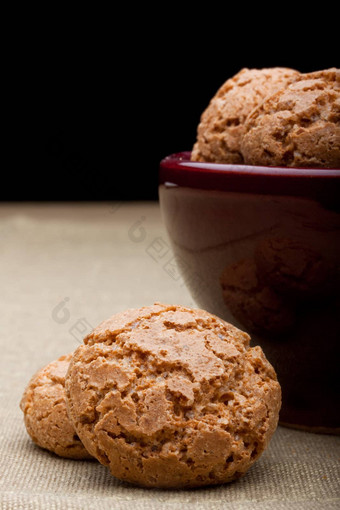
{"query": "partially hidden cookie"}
pixel 168 396
pixel 297 126
pixel 44 408
pixel 221 126
pixel 254 303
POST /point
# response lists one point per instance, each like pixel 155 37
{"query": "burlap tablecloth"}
pixel 66 267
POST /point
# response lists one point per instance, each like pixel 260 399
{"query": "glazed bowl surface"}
pixel 260 248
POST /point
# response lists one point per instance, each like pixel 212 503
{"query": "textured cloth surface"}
pixel 63 269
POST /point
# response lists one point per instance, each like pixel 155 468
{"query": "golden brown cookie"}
pixel 44 408
pixel 222 123
pixel 297 126
pixel 169 396
pixel 256 305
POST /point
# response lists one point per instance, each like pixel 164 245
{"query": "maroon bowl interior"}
pixel 321 183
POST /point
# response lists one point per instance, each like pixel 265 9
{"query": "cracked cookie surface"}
pixel 221 126
pixel 297 126
pixel 169 396
pixel 44 408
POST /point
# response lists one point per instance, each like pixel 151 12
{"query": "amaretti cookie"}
pixel 221 125
pixel 168 396
pixel 298 125
pixel 44 408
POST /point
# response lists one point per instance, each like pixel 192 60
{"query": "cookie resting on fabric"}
pixel 44 408
pixel 169 396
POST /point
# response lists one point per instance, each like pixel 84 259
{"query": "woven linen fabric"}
pixel 63 269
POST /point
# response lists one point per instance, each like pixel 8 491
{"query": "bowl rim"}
pixel 178 170
pixel 183 161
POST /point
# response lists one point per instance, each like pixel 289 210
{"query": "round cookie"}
pixel 297 126
pixel 254 303
pixel 221 125
pixel 169 396
pixel 44 408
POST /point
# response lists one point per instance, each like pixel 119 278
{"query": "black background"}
pixel 92 114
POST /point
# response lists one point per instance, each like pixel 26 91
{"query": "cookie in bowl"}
pixel 221 126
pixel 298 125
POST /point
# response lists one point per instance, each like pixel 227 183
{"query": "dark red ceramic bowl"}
pixel 260 247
